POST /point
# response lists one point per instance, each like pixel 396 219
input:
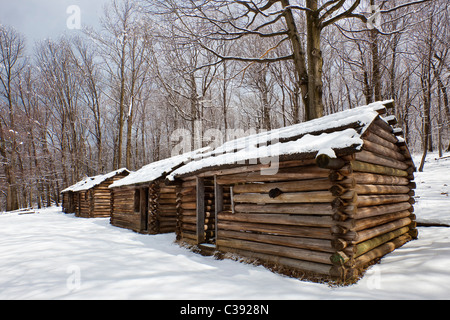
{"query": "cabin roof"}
pixel 91 182
pixel 156 170
pixel 338 133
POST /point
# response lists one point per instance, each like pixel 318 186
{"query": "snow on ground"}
pixel 50 255
pixel 433 190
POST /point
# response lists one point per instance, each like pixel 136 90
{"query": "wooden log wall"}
pixel 162 208
pixel 123 213
pixel 323 216
pixel 210 220
pixel 186 226
pixel 84 203
pixel 95 202
pixel 374 204
pixel 101 201
pixel 153 208
pixel 283 218
pixel 65 202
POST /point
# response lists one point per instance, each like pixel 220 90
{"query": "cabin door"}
pixel 143 206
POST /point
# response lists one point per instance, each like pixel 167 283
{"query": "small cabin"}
pixel 142 202
pixel 325 198
pixel 91 197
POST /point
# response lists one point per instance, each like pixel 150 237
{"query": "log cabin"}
pixel 324 199
pixel 69 201
pixel 142 202
pixel 91 197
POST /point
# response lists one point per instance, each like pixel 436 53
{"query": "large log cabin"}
pixel 325 198
pixel 91 197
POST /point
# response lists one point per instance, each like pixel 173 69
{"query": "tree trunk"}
pixel 426 93
pixel 426 128
pixel 315 63
pixel 98 127
pixel 129 133
pixel 376 72
pixel 130 118
pixel 12 202
pixel 224 98
pixel 196 129
pixel 367 88
pixel 298 53
pixel 443 90
pixel 296 104
pixel 264 91
pixel 121 105
pixel 440 120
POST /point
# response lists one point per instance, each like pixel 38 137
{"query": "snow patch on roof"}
pixel 157 169
pixel 329 133
pixel 270 154
pixel 91 182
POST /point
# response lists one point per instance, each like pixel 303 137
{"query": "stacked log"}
pixel 161 206
pixel 209 207
pixel 84 204
pixel 153 208
pixel 330 216
pixel 283 218
pixel 374 197
pixel 101 201
pixel 68 202
pixel 123 213
pixel 186 226
pixel 95 202
pixel 166 214
pixel 65 202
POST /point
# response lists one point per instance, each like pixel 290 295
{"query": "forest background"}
pixel 113 95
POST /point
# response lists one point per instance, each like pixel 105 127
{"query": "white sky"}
pixel 41 19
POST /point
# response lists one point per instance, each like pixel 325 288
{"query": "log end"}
pixel 326 161
pixel 339 258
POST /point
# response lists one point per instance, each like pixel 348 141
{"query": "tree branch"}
pixel 333 9
pixel 247 59
pixel 404 5
pixel 343 15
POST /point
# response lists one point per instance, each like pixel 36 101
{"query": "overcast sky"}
pixel 41 19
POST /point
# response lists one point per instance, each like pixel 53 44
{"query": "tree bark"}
pixel 315 62
pixel 425 79
pixel 376 70
pixel 298 54
pixel 121 105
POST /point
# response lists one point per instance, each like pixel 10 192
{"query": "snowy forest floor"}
pixel 50 255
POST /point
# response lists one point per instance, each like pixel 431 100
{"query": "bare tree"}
pixel 11 65
pixel 178 66
pixel 61 80
pixel 112 43
pixel 278 19
pixel 86 59
pixel 430 59
pixel 139 49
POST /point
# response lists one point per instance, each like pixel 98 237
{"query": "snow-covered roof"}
pixel 157 169
pixel 339 131
pixel 91 182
